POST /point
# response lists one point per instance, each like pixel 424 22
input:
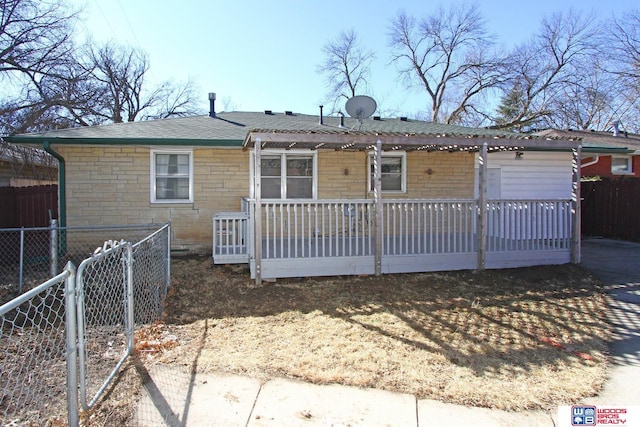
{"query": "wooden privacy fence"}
pixel 28 206
pixel 611 208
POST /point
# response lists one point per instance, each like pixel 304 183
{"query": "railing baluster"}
pixel 309 230
pixel 315 231
pixel 345 228
pixel 432 226
pixel 369 222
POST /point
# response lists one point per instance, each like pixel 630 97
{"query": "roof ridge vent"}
pixel 403 119
pixel 377 118
pixel 289 113
pixel 268 112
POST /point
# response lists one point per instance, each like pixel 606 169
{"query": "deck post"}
pixel 257 211
pixel 482 206
pixel 377 199
pixel 576 205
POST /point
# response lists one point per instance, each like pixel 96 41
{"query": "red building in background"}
pixel 613 154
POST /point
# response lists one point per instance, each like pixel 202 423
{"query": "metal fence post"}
pixel 53 246
pixel 72 347
pixel 130 321
pixel 21 273
pixel 168 278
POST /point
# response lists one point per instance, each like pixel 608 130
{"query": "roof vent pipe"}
pixel 212 104
pixel 321 118
pixel 616 129
pixel 341 118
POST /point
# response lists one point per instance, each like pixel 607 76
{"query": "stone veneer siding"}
pixel 110 185
pixel 344 175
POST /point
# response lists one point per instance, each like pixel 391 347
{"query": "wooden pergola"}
pixel 349 140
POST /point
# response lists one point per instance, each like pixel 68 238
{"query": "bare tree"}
pixel 175 101
pixel 540 70
pixel 624 36
pixel 98 85
pixel 28 162
pixel 346 67
pixel 35 35
pixel 35 47
pixel 52 101
pixel 588 100
pixel 49 83
pixel 448 54
pixel 120 75
pixel 621 45
pixel 228 104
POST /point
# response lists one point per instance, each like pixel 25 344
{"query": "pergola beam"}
pixel 576 206
pixel 390 142
pixel 482 206
pixel 377 199
pixel 257 212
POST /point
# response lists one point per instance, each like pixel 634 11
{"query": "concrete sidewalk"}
pixel 230 400
pixel 617 264
pixel 174 397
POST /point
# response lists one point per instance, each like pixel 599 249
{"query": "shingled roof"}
pixel 595 141
pixel 232 129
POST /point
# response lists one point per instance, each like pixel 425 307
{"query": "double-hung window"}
pixel 393 172
pixel 171 176
pixel 288 175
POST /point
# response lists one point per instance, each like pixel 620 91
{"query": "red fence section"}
pixel 611 208
pixel 28 206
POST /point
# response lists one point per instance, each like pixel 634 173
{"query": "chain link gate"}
pixel 79 325
pixel 105 318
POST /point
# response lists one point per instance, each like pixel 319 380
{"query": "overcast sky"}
pixel 263 55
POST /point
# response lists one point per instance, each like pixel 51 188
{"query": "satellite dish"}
pixel 361 107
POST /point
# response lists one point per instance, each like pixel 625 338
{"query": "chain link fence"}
pixel 118 286
pixel 33 356
pixel 29 256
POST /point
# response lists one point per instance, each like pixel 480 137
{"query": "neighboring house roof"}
pixel 599 142
pixel 231 129
pixel 26 155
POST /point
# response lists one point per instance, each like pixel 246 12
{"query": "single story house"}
pixel 613 154
pixel 300 195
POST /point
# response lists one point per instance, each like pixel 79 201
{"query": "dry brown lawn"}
pixel 510 339
pixel 515 339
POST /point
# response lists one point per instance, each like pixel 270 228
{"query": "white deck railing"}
pixel 528 225
pixel 332 228
pixel 297 230
pixel 231 238
pixel 323 228
pixel 428 226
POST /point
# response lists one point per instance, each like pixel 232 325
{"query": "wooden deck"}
pixel 325 238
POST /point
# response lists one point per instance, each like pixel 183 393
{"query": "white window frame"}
pixel 403 166
pixel 283 177
pixel 628 171
pixel 153 176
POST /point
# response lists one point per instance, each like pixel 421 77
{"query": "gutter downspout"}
pixel 592 162
pixel 62 183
